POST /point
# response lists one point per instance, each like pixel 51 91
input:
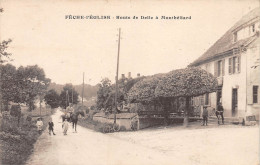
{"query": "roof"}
pixel 225 43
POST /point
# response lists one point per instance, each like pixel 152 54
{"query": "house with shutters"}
pixel 234 60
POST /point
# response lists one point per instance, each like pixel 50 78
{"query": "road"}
pixel 173 146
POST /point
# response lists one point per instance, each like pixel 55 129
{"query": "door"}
pixel 219 96
pixel 234 102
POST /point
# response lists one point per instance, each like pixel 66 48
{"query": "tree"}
pixel 104 94
pixel 52 98
pixel 31 82
pixel 68 95
pixel 143 90
pixel 8 84
pixel 3 54
pixel 125 84
pixel 188 82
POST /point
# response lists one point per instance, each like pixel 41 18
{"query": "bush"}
pixel 17 141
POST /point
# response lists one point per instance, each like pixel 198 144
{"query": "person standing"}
pixel 65 126
pixel 51 125
pixel 205 115
pixel 220 112
pixel 69 111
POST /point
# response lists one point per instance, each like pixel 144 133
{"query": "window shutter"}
pixel 249 95
pixel 223 67
pixel 230 65
pixel 216 69
pixel 239 64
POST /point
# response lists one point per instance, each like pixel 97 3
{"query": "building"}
pixel 234 60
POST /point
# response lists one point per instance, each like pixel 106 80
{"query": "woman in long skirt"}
pixel 65 126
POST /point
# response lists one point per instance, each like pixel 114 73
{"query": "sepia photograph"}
pixel 110 82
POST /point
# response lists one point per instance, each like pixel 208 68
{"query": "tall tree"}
pixel 8 84
pixel 188 82
pixel 68 95
pixel 52 98
pixel 31 82
pixel 104 94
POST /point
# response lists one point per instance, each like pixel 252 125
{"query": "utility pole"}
pixel 66 98
pixel 72 94
pixel 117 67
pixel 83 89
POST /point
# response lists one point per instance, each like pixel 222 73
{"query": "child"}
pixel 65 126
pixel 39 125
pixel 51 125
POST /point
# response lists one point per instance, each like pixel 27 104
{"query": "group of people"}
pixel 39 125
pixel 65 124
pixel 219 113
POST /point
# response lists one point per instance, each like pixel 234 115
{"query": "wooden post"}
pixel 117 68
pixel 83 88
pixel 186 112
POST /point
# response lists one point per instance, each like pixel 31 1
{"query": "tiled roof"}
pixel 225 43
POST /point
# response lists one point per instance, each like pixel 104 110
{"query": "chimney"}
pixel 138 75
pixel 123 76
pixel 129 74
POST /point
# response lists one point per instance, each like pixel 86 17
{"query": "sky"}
pixel 65 48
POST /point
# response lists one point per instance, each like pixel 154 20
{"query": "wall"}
pixel 243 81
pixel 126 123
pixel 253 78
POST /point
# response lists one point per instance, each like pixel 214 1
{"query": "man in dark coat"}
pixel 219 112
pixel 205 115
pixel 51 125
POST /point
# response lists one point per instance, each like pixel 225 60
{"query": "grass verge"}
pixel 17 140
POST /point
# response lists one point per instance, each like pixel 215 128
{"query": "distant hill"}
pixel 89 90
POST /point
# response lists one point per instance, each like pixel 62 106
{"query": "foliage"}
pixel 104 94
pixel 8 84
pixel 89 90
pixel 143 90
pixel 3 54
pixel 17 142
pixel 31 82
pixel 52 98
pixel 66 96
pixel 125 84
pixel 186 83
pixel 15 111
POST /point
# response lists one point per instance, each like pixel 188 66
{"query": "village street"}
pixel 225 145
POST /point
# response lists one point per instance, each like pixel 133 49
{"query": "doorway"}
pixel 234 102
pixel 219 96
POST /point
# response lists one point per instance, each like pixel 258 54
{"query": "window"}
pixel 206 99
pixel 253 28
pixel 219 68
pixel 255 94
pixel 234 65
pixel 235 37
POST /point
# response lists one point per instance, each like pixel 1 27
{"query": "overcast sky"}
pixel 66 48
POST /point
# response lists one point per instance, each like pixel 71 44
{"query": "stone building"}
pixel 234 60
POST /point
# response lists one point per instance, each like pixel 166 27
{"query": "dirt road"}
pixel 88 147
pixel 225 146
